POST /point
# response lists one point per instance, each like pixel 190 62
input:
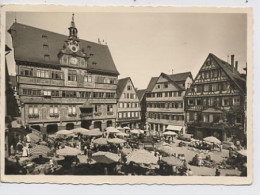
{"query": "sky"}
pixel 145 44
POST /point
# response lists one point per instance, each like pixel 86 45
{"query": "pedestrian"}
pixel 217 173
pixel 85 150
pixel 189 172
pixel 220 147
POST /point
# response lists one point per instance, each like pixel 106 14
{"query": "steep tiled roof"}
pixel 120 86
pixel 140 93
pixel 151 84
pixel 28 46
pixel 232 73
pixel 180 76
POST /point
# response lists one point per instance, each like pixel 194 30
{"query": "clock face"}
pixel 74 48
pixel 73 60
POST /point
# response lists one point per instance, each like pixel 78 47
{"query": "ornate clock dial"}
pixel 74 48
pixel 73 61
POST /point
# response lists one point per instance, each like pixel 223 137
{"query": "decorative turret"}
pixel 73 31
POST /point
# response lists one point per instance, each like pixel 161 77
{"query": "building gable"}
pixel 164 83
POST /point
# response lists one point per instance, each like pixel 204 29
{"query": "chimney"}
pixel 236 65
pixel 232 60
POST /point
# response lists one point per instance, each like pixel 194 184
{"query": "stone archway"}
pixel 98 124
pixel 51 128
pixel 109 123
pixel 36 127
pixel 69 126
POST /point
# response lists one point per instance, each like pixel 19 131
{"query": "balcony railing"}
pixel 38 80
pixel 32 116
pixel 55 115
pixel 110 113
pixel 98 113
pixel 72 115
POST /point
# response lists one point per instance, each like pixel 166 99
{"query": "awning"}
pixel 212 110
pixel 174 128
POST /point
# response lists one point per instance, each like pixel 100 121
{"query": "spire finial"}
pixel 72 24
pixel 15 20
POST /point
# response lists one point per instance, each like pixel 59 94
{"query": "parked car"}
pixel 227 145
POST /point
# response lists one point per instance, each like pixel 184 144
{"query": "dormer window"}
pixel 45 47
pixel 45 38
pixel 46 57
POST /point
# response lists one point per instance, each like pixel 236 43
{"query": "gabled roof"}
pixel 232 73
pixel 180 76
pixel 28 46
pixel 151 84
pixel 121 86
pixel 140 93
pixel 174 78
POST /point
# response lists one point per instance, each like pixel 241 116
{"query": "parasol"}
pixel 92 133
pixel 137 131
pixel 242 152
pixel 112 130
pixel 173 161
pixel 64 133
pixel 212 140
pixel 142 156
pixel 170 133
pixel 68 151
pixel 126 151
pixel 105 157
pixel 79 130
pixel 167 149
pixel 127 128
pixel 120 128
pixel 116 141
pixel 40 150
pixel 32 137
pixel 121 134
pixel 100 141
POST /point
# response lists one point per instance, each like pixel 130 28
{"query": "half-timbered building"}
pixel 215 102
pixel 165 101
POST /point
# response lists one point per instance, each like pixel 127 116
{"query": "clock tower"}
pixel 72 54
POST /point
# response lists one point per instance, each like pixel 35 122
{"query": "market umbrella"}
pixel 212 139
pixel 105 157
pixel 167 149
pixel 126 128
pixel 171 160
pixel 120 128
pixel 79 130
pixel 43 143
pixel 64 133
pixel 100 141
pixel 137 131
pixel 112 130
pixel 68 151
pixel 116 141
pixel 126 151
pixel 92 133
pixel 142 156
pixel 40 150
pixel 32 137
pixel 170 133
pixel 121 134
pixel 242 152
